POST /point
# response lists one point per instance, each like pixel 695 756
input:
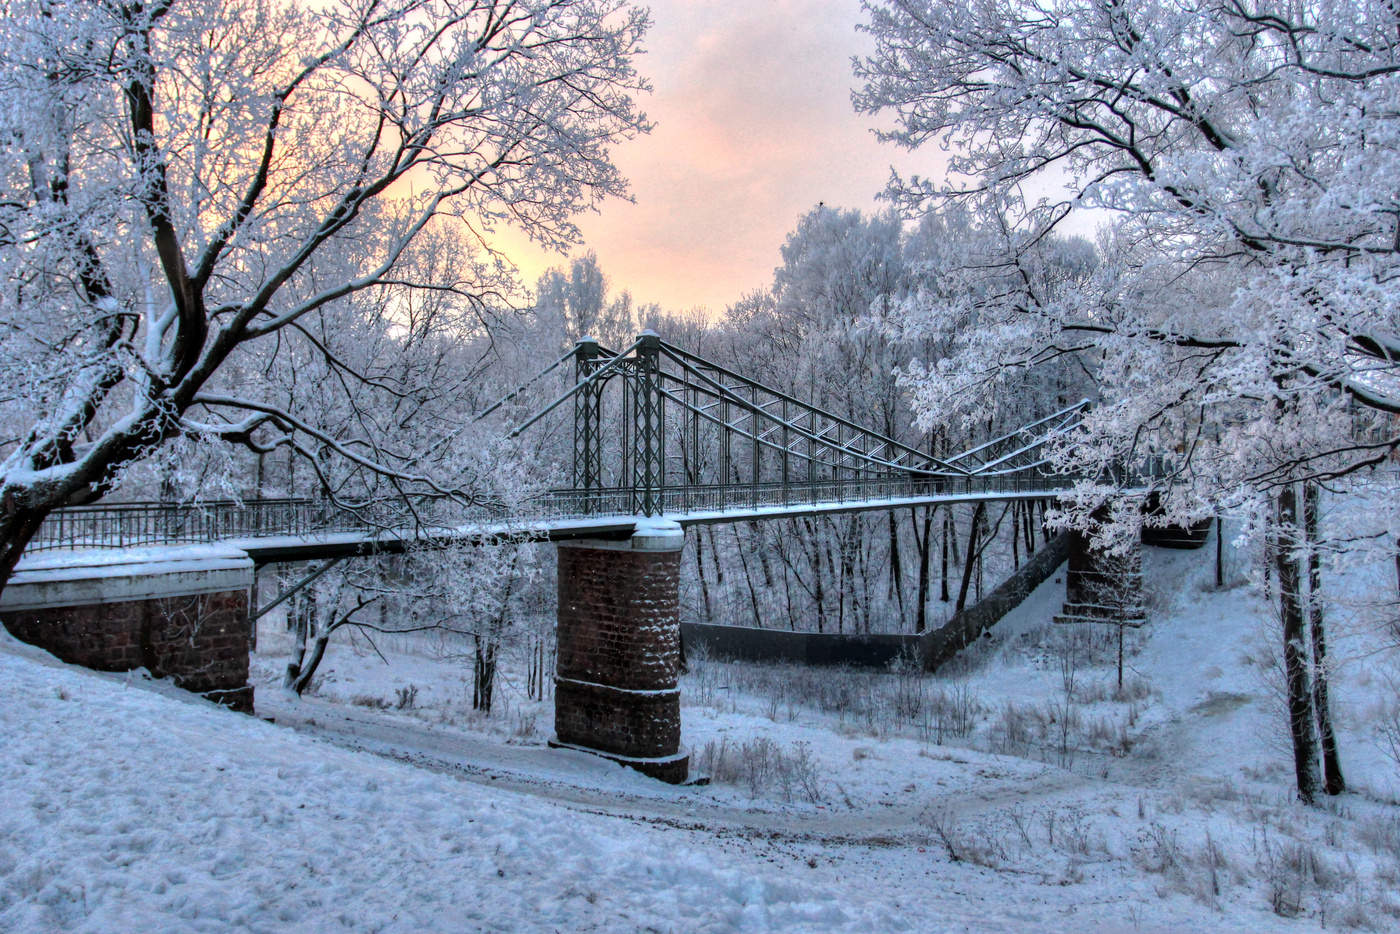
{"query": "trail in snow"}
pixel 583 782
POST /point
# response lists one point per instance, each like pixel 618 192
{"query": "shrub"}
pixel 760 764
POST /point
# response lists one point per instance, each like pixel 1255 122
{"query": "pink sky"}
pixel 754 126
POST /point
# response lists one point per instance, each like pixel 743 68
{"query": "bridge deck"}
pixel 243 526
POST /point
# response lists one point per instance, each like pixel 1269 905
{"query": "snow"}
pixel 186 557
pixel 656 525
pixel 132 810
pixel 643 692
pixel 821 507
pixel 129 806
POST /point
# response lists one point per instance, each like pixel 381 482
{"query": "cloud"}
pixel 754 127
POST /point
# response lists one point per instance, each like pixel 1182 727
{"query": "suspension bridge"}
pixel 657 432
pixel 662 439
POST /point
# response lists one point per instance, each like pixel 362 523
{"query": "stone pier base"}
pixel 616 690
pixel 180 613
pixel 1101 587
pixel 1171 536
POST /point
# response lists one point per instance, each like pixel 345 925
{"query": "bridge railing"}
pixel 127 525
pixel 724 497
pixel 777 494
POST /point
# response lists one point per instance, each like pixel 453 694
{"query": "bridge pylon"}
pixel 588 419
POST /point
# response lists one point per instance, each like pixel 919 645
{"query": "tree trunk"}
pixel 484 674
pixel 700 573
pixel 305 672
pixel 1028 519
pixel 947 530
pixel 297 625
pixel 532 672
pixel 748 579
pixel 981 547
pixel 1295 666
pixel 756 529
pixel 896 571
pixel 18 526
pixel 923 546
pixel 811 548
pixel 846 575
pixel 1219 552
pixel 971 553
pixel 1332 781
pixel 1015 536
pixel 714 554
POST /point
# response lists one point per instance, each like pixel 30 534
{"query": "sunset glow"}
pixel 754 126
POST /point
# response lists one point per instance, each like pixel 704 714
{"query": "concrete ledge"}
pixel 655 534
pixel 85 578
pixel 749 643
pixel 1076 619
pixel 964 628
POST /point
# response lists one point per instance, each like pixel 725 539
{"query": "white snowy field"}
pixel 126 806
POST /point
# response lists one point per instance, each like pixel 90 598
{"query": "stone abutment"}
pixel 179 613
pixel 1103 584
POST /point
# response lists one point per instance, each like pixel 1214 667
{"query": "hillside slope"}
pixel 128 806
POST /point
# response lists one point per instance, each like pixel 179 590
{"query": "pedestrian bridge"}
pixel 656 431
pixel 287 530
pixel 662 439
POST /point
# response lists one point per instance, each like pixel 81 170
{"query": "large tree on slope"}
pixel 1245 321
pixel 189 183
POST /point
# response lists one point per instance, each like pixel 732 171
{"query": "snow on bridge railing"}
pixel 776 494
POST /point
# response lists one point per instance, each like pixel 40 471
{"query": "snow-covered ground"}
pixel 126 806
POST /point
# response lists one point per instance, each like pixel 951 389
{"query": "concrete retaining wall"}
pixel 943 643
pixel 747 643
pixel 878 650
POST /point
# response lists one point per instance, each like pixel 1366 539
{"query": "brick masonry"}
pixel 616 687
pixel 200 640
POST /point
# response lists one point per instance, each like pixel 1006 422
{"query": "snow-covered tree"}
pixel 576 303
pixel 1243 326
pixel 189 185
pixel 1242 149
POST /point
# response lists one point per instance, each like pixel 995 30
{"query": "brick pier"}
pixel 616 689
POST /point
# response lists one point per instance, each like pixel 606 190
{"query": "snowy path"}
pixel 126 805
pixel 592 785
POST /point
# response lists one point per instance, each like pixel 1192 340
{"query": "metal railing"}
pixel 127 525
